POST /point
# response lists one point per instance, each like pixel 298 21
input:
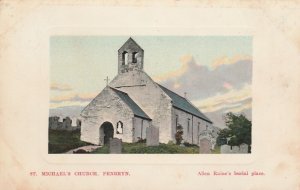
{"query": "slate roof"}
pixel 183 104
pixel 137 111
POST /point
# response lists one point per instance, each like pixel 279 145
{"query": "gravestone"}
pixel 235 149
pixel 225 149
pixel 67 123
pixel 152 136
pixel 53 122
pixel 243 148
pixel 205 146
pixel 115 146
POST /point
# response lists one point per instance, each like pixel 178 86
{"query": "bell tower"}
pixel 130 57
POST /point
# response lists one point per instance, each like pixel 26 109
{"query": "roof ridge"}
pixel 187 107
pixel 143 114
pixel 118 90
pixel 131 39
pixel 172 91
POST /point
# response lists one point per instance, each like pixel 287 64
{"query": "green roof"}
pixel 137 111
pixel 183 104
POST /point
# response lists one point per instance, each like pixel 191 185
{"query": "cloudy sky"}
pixel 214 71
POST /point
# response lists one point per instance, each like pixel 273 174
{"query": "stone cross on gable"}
pixel 107 80
pixel 185 95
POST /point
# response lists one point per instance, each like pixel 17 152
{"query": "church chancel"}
pixel 132 102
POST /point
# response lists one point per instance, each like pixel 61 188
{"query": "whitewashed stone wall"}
pixel 150 97
pixel 197 125
pixel 139 128
pixel 106 107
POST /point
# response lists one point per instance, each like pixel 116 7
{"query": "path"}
pixel 88 148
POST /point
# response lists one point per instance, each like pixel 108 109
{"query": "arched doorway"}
pixel 106 131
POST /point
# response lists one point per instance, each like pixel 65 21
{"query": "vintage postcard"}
pixel 179 95
pixel 173 94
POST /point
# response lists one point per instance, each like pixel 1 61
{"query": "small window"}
pixel 119 127
pixel 198 133
pixel 125 58
pixel 188 126
pixel 176 121
pixel 134 57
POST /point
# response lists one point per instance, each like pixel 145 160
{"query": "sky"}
pixel 214 71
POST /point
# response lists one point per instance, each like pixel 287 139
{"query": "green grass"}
pixel 217 150
pixel 63 141
pixel 101 150
pixel 141 148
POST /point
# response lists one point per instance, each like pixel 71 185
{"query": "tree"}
pixel 238 131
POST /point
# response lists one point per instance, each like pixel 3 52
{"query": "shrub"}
pixel 178 137
pixel 140 140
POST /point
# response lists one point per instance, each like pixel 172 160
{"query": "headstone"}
pixel 205 146
pixel 235 150
pixel 115 146
pixel 67 122
pixel 53 122
pixel 152 136
pixel 225 149
pixel 74 122
pixel 243 148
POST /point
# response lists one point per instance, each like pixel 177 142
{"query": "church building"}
pixel 132 101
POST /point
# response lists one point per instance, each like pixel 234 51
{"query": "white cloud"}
pixel 234 100
pixel 68 103
pixel 200 81
pixel 60 87
pixel 225 60
pixel 185 60
pixel 72 99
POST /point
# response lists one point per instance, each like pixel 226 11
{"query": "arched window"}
pixel 198 133
pixel 134 57
pixel 188 125
pixel 125 58
pixel 119 127
pixel 176 122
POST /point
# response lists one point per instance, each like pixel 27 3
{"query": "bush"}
pixel 140 140
pixel 187 144
pixel 238 130
pixel 178 137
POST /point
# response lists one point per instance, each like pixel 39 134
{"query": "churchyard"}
pixel 61 141
pixel 64 141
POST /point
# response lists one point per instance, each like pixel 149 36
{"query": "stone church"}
pixel 132 101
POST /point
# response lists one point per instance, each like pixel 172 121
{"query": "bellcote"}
pixel 130 57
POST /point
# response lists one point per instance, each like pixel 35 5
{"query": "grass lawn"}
pixel 217 150
pixel 63 141
pixel 141 148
